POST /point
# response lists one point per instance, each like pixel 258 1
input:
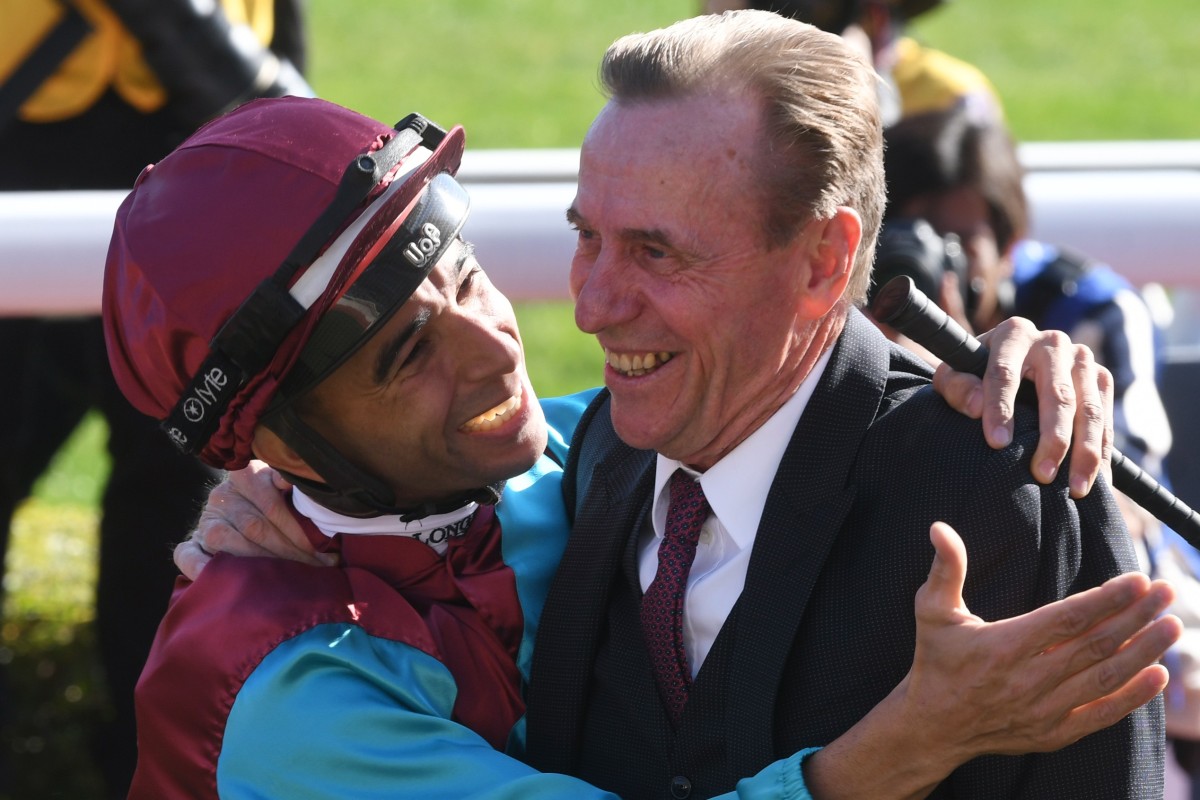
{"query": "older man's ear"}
pixel 825 250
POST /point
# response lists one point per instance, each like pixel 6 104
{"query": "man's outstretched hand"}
pixel 1032 683
pixel 1045 679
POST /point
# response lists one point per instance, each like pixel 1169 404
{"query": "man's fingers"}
pixel 1132 629
pixel 1072 723
pixel 1074 398
pixel 281 483
pixel 940 598
pixel 190 558
pixel 1091 680
pixel 961 391
pixel 1113 685
pixel 228 530
pixel 263 488
pixel 1107 387
pixel 1066 619
pixel 246 515
pixel 1112 707
pixel 1088 437
pixel 1092 441
pixel 1106 657
pixel 1111 673
pixel 256 507
pixel 1008 343
pixel 257 483
pixel 1051 363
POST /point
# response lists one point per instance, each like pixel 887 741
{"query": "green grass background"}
pixel 521 73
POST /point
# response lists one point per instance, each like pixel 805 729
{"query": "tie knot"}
pixel 685 489
pixel 688 508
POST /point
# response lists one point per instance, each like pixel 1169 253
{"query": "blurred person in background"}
pixel 964 178
pixel 91 91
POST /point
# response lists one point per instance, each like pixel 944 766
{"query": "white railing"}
pixel 1133 204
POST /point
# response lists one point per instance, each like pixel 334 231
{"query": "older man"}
pixel 729 197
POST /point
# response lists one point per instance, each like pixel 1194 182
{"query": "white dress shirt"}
pixel 736 488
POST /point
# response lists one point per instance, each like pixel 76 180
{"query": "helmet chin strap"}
pixel 352 491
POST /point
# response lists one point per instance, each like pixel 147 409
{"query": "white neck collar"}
pixel 435 530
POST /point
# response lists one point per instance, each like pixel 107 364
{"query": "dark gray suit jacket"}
pixel 824 627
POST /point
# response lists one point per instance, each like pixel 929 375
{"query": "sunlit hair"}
pixel 823 145
pixel 938 152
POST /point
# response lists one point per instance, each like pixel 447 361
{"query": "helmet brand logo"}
pixel 205 394
pixel 418 252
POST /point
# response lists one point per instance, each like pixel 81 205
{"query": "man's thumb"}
pixel 949 571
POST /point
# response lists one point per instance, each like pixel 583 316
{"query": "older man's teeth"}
pixel 636 365
pixel 493 417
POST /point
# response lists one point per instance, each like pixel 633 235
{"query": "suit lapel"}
pixel 616 501
pixel 805 509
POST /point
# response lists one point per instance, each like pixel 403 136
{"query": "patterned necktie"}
pixel 662 605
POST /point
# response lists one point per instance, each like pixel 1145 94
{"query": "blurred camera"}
pixel 910 246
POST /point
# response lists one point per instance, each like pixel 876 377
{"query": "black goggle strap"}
pixel 248 340
pixel 347 489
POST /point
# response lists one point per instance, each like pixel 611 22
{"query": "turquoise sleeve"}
pixel 336 713
pixel 562 415
pixel 779 780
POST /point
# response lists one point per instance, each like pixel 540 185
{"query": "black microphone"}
pixel 903 306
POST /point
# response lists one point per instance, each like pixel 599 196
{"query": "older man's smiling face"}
pixel 698 318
